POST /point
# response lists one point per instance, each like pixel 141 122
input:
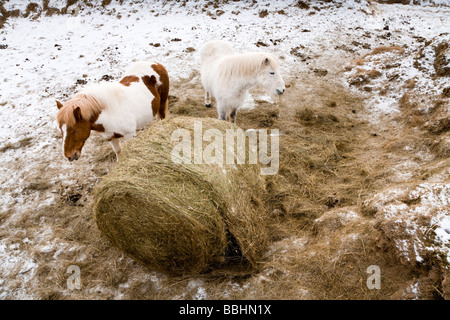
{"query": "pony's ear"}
pixel 77 113
pixel 59 104
pixel 266 61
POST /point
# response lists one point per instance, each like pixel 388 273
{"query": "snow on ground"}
pixel 417 220
pixel 405 66
pixel 51 58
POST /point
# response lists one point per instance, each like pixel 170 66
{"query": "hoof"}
pixel 208 105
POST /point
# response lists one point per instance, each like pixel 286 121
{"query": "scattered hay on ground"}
pixel 331 162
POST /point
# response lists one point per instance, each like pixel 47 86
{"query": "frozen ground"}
pixel 51 57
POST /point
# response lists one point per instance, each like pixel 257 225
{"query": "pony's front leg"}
pixel 115 143
pixel 222 115
pixel 207 99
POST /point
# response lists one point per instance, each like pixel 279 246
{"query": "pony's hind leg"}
pixel 233 115
pixel 207 99
pixel 115 144
pixel 229 116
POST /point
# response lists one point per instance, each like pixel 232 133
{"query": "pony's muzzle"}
pixel 75 156
pixel 280 92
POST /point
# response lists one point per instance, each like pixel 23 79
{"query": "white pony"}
pixel 227 76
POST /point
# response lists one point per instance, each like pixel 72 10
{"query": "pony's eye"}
pixel 272 73
pixel 74 131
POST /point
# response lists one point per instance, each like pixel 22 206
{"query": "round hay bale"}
pixel 182 218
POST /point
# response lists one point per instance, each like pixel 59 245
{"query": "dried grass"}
pixel 384 49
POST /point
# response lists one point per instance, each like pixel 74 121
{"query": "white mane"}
pixel 246 64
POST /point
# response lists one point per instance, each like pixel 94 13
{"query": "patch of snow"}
pixel 421 224
pixel 412 292
pixel 16 266
pixel 195 289
pixel 249 102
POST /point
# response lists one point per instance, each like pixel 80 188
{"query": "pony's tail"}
pixel 163 109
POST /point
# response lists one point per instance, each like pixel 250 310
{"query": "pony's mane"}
pixel 89 105
pixel 246 64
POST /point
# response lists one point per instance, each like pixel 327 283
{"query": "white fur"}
pixel 228 77
pixel 128 108
pixel 64 134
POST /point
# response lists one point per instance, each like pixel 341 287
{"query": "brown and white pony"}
pixel 115 110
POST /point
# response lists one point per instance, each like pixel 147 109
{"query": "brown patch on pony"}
pixel 115 136
pixel 161 93
pixel 150 83
pixel 163 89
pixel 127 80
pixel 97 127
